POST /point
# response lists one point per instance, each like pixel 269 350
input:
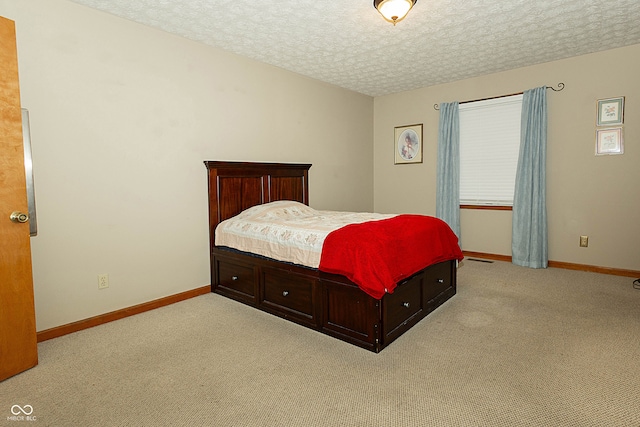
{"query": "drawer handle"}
pixel 406 304
pixel 285 293
pixel 440 280
pixel 234 278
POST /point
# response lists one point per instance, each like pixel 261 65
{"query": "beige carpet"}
pixel 514 347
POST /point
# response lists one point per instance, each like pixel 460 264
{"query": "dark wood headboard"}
pixel 236 186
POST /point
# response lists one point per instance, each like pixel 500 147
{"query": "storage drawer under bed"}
pixel 289 294
pixel 235 280
pixel 404 306
pixel 438 279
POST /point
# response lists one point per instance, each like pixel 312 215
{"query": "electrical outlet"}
pixel 584 241
pixel 103 281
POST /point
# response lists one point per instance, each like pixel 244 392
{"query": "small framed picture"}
pixel 408 144
pixel 610 111
pixel 609 141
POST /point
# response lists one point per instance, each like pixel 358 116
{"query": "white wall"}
pixel 598 196
pixel 122 118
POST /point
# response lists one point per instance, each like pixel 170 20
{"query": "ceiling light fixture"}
pixel 394 11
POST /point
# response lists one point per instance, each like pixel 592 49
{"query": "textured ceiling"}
pixel 347 43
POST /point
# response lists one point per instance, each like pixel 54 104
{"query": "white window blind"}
pixel 489 147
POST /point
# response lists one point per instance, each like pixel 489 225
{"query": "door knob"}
pixel 19 217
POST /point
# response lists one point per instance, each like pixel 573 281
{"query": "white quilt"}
pixel 286 230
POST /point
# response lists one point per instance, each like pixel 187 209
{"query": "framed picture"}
pixel 609 141
pixel 408 144
pixel 610 111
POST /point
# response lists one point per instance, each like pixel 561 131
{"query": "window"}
pixel 489 148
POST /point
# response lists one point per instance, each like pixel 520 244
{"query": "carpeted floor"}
pixel 514 347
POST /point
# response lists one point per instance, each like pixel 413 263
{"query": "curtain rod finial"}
pixel 560 87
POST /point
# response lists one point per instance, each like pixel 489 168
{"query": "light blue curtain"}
pixel 448 167
pixel 529 233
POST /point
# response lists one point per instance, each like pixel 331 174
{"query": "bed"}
pixel 326 302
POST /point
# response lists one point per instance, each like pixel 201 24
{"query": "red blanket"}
pixel 376 255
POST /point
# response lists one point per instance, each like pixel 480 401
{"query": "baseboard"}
pixel 495 257
pixel 560 264
pixel 119 314
pixel 595 269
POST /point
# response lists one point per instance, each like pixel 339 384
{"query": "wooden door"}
pixel 18 342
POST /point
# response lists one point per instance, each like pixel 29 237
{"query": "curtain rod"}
pixel 560 87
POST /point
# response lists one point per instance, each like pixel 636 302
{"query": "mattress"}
pixel 286 230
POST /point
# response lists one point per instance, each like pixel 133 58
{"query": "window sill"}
pixel 487 207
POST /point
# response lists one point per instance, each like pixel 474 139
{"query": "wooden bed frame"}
pixel 327 303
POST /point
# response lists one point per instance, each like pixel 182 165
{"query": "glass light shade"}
pixel 394 10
